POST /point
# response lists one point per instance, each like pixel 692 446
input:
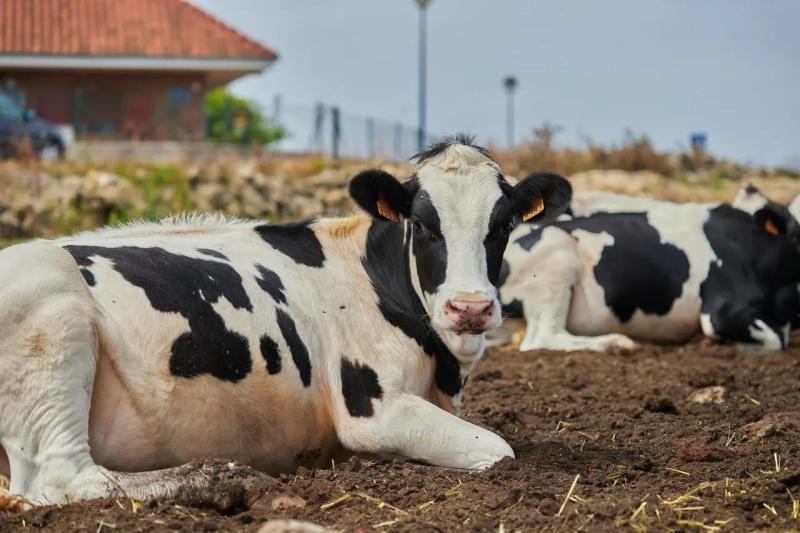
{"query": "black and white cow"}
pixel 659 275
pixel 129 350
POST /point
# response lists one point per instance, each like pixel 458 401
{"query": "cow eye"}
pixel 421 230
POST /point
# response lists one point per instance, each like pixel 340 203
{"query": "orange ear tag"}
pixel 538 207
pixel 386 211
pixel 770 227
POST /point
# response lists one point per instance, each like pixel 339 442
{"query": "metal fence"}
pixel 150 113
pixel 329 130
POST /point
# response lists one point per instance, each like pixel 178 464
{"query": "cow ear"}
pixel 381 195
pixel 771 220
pixel 542 196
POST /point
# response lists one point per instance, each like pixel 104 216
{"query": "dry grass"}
pixel 634 153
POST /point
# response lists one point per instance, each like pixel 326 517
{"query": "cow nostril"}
pixel 469 308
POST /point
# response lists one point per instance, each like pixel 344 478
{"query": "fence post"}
pixel 371 137
pixel 336 132
pixel 276 109
pixel 319 119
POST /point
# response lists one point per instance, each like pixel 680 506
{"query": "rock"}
pixel 772 423
pixel 714 394
pixel 291 526
pixel 286 501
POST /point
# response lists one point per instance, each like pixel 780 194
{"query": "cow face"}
pixel 457 211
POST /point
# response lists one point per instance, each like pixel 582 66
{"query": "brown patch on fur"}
pixel 37 341
pixel 342 227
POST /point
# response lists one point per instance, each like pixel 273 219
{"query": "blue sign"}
pixel 698 141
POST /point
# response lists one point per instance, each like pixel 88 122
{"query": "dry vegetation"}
pixel 633 153
pixel 44 200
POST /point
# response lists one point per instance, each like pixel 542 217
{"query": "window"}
pixel 8 108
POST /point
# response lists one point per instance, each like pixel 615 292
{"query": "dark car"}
pixel 18 127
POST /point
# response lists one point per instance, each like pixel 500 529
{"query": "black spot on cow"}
pixel 271 283
pixel 496 238
pixel 637 271
pixel 213 253
pixel 505 271
pixel 271 354
pixel 755 278
pixel 359 386
pixel 88 277
pixel 83 266
pixel 513 309
pixel 386 263
pixel 296 240
pixel 530 239
pixel 296 347
pixel 429 248
pixel 189 286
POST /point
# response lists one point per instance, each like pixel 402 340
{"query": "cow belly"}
pixel 119 434
pixel 260 421
pixel 590 315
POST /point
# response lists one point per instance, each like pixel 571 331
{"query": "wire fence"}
pixel 328 130
pixel 172 110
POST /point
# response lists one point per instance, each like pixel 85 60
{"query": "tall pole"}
pixel 421 134
pixel 510 83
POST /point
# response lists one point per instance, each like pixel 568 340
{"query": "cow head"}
pixel 457 211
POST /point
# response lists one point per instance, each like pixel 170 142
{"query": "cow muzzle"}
pixel 471 313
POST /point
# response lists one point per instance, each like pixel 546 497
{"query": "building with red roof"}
pixel 121 69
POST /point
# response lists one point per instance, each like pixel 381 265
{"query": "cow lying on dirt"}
pixel 659 275
pixel 140 348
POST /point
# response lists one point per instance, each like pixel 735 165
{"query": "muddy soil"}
pixel 697 437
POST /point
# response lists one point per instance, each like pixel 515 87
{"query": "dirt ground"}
pixel 602 441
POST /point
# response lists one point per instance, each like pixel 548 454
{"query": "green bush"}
pixel 236 120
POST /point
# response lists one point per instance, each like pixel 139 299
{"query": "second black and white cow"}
pixel 129 350
pixel 659 275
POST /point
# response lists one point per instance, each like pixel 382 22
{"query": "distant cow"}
pixel 659 275
pixel 589 202
pixel 140 348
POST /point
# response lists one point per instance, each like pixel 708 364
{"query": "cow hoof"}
pixel 13 502
pixel 504 450
pixel 621 342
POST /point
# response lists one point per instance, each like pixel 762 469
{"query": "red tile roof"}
pixel 137 28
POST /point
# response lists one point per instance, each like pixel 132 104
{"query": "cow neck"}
pixel 386 261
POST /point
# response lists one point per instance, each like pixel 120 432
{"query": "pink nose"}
pixel 468 315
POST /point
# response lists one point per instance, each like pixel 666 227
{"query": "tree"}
pixel 236 120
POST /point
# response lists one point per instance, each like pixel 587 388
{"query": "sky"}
pixel 665 68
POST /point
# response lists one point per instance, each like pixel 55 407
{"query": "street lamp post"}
pixel 510 83
pixel 423 4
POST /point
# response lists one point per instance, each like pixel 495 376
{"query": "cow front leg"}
pixel 543 282
pixel 407 425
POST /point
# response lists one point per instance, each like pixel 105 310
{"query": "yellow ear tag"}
pixel 386 211
pixel 770 227
pixel 538 207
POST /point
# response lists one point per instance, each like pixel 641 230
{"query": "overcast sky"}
pixel 730 68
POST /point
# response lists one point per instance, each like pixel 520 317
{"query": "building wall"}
pixel 115 105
